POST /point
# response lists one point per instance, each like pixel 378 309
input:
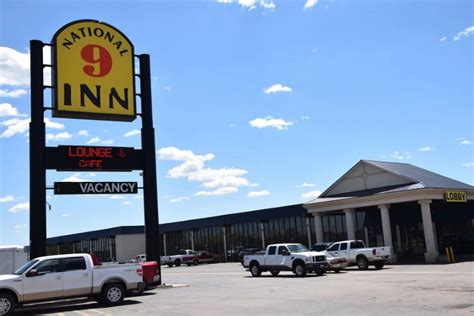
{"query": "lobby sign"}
pixel 455 196
pixel 94 72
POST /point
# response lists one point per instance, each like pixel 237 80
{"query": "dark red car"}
pixel 201 257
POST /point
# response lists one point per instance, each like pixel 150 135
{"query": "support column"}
pixel 192 239
pixel 430 254
pixel 262 233
pixel 399 238
pixel 164 244
pixel 225 243
pixel 350 223
pixel 318 226
pixel 366 234
pixel 308 231
pixel 386 228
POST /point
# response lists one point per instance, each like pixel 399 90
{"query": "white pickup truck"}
pixel 178 259
pixel 356 253
pixel 65 276
pixel 287 257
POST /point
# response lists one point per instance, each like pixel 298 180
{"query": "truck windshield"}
pixel 297 248
pixel 25 267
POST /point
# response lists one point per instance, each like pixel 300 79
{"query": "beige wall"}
pixel 128 246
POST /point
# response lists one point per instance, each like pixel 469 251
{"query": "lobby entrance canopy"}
pixel 399 205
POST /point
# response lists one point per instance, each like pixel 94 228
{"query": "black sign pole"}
pixel 150 190
pixel 37 154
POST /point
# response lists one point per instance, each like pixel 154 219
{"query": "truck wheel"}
pixel 362 263
pixel 275 272
pixel 255 270
pixel 320 272
pixel 113 294
pixel 170 265
pixel 196 262
pixel 7 304
pixel 299 269
pixel 378 265
pixel 337 270
pixel 215 260
pixel 188 264
pixel 177 263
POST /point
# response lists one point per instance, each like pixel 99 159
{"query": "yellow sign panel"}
pixel 93 72
pixel 455 196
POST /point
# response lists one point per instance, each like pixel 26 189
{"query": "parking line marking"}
pixel 99 312
pixel 81 313
pixel 61 314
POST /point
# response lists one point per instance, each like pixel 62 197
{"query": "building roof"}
pixel 369 177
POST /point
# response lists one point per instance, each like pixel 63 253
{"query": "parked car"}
pixel 248 251
pixel 336 264
pixel 65 276
pixel 287 257
pixel 183 256
pixel 140 258
pixel 321 246
pixel 355 252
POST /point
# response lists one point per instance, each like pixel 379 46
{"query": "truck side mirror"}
pixel 285 253
pixel 34 272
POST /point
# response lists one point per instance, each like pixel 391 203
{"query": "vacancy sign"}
pixel 94 77
pixel 95 187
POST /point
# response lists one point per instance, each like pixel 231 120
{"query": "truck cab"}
pixel 356 253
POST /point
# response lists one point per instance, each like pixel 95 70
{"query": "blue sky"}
pixel 256 103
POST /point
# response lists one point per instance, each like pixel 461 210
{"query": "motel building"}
pixel 416 212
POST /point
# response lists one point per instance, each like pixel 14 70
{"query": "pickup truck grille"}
pixel 319 258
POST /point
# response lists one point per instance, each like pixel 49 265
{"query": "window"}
pixel 344 246
pixel 72 264
pixel 271 250
pixel 357 244
pixel 48 266
pixel 334 247
pixel 281 249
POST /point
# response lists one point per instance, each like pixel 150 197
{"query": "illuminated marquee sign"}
pixel 93 158
pixel 93 72
pixel 95 187
pixel 455 196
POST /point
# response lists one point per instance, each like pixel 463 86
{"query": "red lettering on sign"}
pixel 89 152
pixel 91 163
pixel 100 57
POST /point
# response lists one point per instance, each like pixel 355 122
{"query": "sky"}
pixel 256 103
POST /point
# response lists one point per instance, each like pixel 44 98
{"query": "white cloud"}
pixel 20 207
pixel 107 142
pixel 20 226
pixel 468 164
pixel 224 1
pixel 97 140
pixel 401 156
pixel 14 67
pixel 306 117
pixel 91 174
pixel 307 185
pixel 310 4
pixel 255 194
pixel 138 197
pixel 277 88
pixel 220 191
pixel 132 133
pixel 311 194
pixel 15 126
pixel 127 203
pixel 117 197
pixel 8 198
pixel 468 31
pixel 15 93
pixel 75 178
pixel 267 4
pixel 232 125
pixel 59 136
pixel 83 133
pixel 463 141
pixel 6 109
pixel 442 39
pixel 173 153
pixel 426 148
pixel 179 199
pixel 53 125
pixel 269 121
pixel 66 215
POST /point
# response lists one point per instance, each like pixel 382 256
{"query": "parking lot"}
pixel 223 289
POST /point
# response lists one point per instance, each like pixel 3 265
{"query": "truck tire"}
pixel 255 270
pixel 299 269
pixel 275 272
pixel 7 304
pixel 378 265
pixel 337 270
pixel 189 264
pixel 112 294
pixel 170 265
pixel 195 262
pixel 320 272
pixel 177 262
pixel 362 263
